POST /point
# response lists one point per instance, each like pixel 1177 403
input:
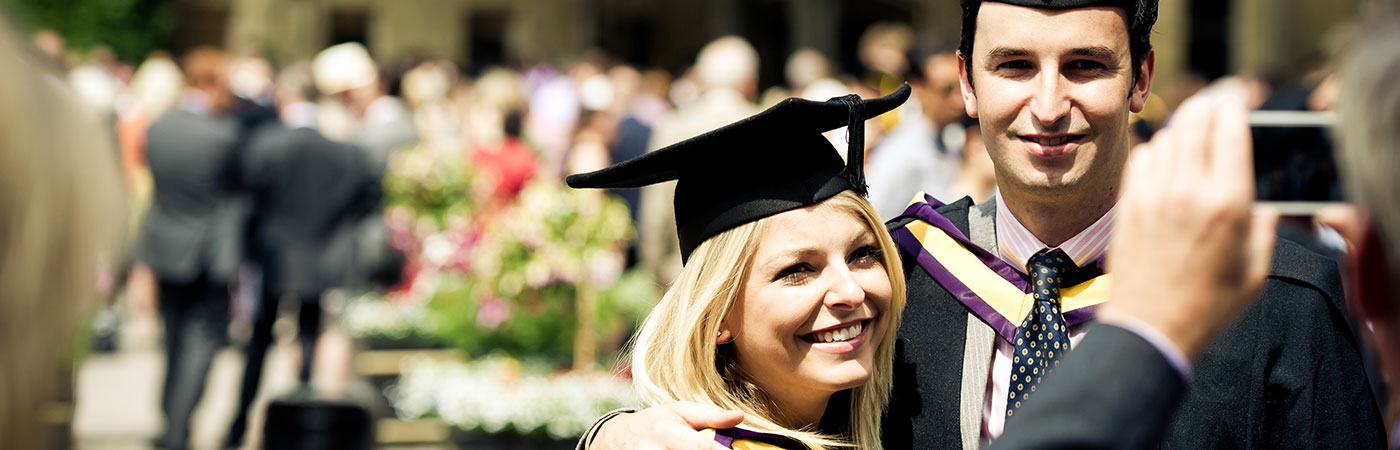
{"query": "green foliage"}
pixel 132 28
pixel 509 278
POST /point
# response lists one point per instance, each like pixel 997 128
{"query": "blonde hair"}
pixel 61 217
pixel 675 356
pixel 1369 155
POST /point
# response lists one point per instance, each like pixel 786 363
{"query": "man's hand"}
pixel 1188 254
pixel 672 426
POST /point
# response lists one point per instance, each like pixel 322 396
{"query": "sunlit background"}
pixel 502 326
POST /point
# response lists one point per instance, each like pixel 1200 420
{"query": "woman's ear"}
pixel 724 336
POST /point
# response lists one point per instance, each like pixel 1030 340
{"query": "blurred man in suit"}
pixel 727 71
pixel 309 194
pixel 382 122
pixel 191 238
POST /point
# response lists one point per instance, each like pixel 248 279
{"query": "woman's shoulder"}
pixel 742 439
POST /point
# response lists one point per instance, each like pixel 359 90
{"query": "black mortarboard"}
pixel 1058 4
pixel 1138 10
pixel 771 162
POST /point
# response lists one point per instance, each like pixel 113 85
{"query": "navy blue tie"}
pixel 1042 339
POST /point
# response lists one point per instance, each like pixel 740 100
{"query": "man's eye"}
pixel 1014 65
pixel 1085 65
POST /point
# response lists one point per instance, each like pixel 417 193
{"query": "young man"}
pixel 1369 161
pixel 1052 83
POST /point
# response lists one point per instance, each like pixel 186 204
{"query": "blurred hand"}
pixel 672 426
pixel 1188 255
pixel 1346 220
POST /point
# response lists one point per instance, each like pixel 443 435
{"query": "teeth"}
pixel 1054 141
pixel 840 334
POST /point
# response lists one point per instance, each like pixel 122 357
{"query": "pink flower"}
pixel 492 312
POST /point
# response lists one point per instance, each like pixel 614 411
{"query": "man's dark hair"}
pixel 1140 16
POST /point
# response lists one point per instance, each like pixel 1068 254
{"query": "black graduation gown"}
pixel 1288 374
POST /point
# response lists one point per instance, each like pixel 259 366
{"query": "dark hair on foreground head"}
pixel 1140 16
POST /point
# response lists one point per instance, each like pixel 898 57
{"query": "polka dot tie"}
pixel 1042 339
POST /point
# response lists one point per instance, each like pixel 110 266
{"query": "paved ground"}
pixel 118 394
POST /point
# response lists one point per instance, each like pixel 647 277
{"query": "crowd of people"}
pixel 257 187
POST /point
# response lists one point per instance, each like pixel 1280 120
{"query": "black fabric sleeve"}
pixel 1114 391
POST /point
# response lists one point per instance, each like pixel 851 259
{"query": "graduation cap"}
pixel 774 161
pixel 1138 10
pixel 1063 4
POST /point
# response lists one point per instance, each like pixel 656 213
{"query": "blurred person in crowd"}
pixel 555 108
pixel 639 110
pixel 1369 159
pixel 192 236
pixel 250 78
pixel 381 123
pixel 803 68
pixel 426 89
pixel 790 295
pixel 925 152
pixel 977 177
pixel 1052 85
pixel 309 195
pixel 62 228
pixel 500 150
pixel 96 83
pixel 727 71
pixel 155 89
pixel 53 51
pixel 882 53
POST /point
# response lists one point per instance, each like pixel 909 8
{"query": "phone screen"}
pixel 1294 167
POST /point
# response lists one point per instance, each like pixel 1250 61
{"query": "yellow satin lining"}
pixel 741 444
pixel 1001 295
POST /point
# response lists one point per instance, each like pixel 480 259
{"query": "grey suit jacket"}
pixel 1114 391
pixel 195 223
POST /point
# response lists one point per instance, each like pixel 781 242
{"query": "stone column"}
pixel 424 28
pixel 1256 28
pixel 1171 40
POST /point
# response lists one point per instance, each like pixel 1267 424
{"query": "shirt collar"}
pixel 1017 244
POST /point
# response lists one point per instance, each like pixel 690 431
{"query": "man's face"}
pixel 939 95
pixel 1053 93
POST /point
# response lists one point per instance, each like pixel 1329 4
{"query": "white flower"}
pixel 492 394
pixel 437 249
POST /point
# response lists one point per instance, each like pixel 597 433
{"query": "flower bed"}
pixel 503 395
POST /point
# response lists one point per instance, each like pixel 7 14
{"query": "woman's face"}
pixel 813 307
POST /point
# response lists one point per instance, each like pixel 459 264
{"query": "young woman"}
pixel 787 305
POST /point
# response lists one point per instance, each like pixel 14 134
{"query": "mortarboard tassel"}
pixel 855 143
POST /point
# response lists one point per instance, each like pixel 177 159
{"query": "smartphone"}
pixel 1295 170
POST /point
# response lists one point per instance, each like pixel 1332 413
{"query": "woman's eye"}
pixel 869 254
pixel 794 273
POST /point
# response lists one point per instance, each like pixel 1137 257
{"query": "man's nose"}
pixel 1050 104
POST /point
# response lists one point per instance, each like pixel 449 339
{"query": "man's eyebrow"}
pixel 1007 52
pixel 1096 52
